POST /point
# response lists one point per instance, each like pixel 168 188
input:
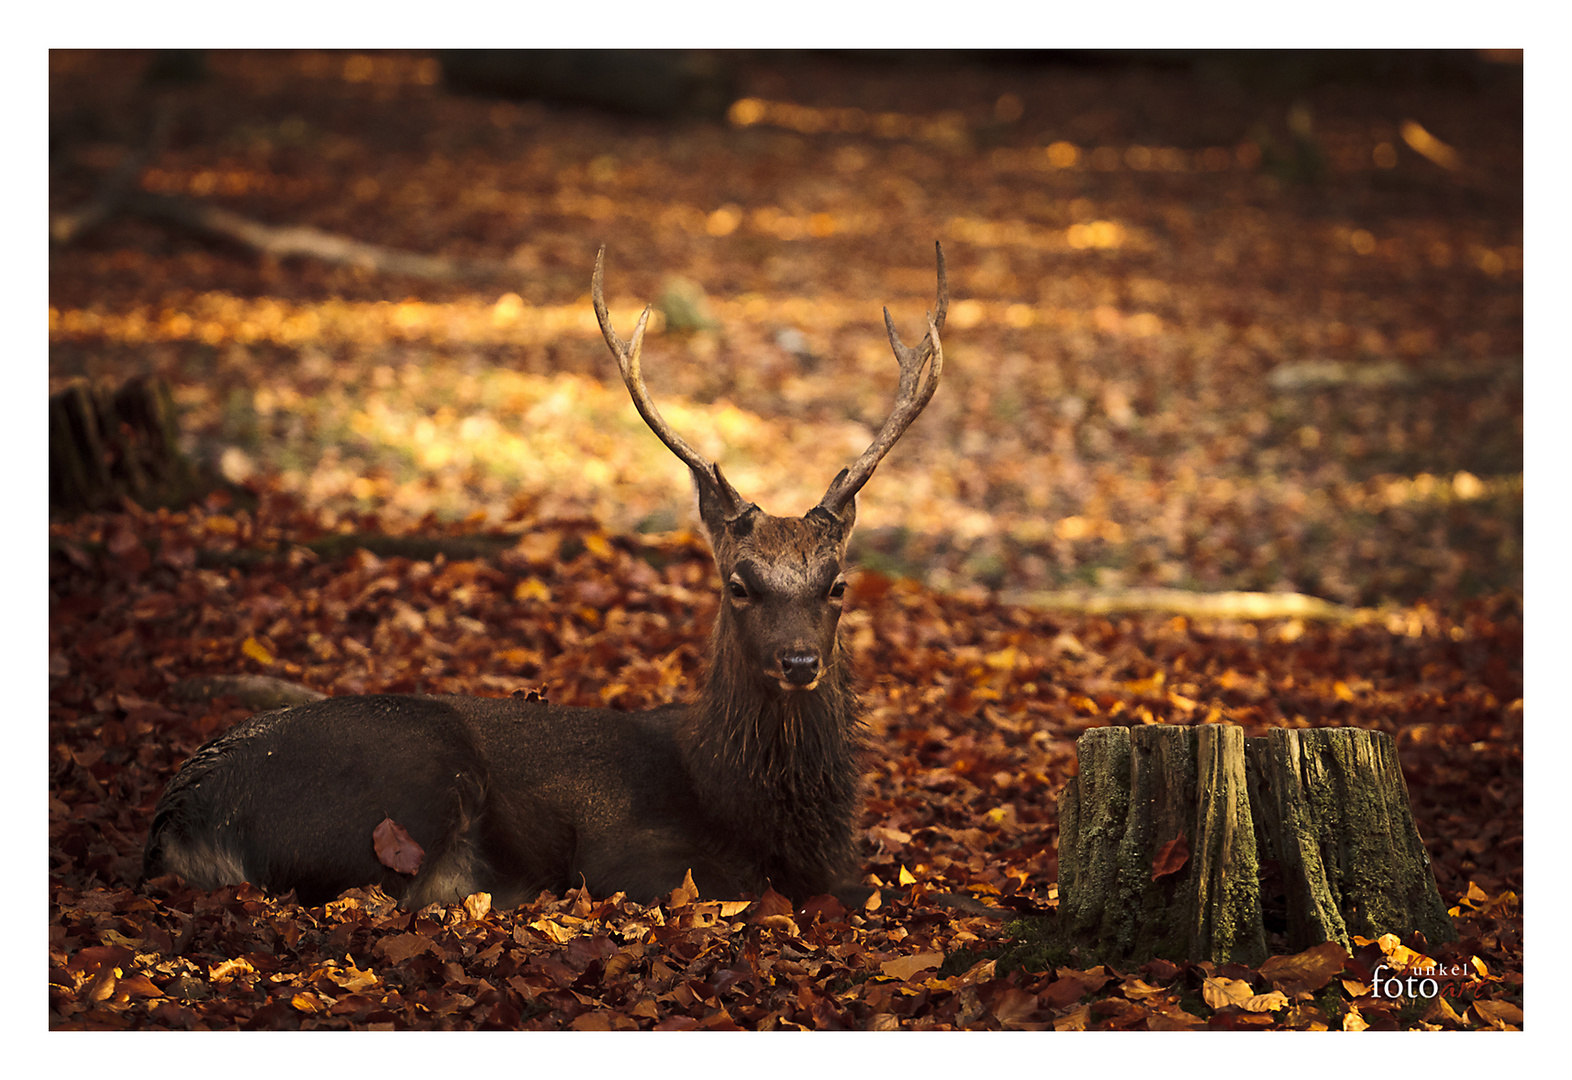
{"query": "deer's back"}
pixel 502 794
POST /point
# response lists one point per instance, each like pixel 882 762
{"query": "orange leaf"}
pixel 773 903
pixel 1075 1020
pixel 1014 1007
pixel 396 849
pixel 904 967
pixel 1219 993
pixel 683 894
pixel 1498 1013
pixel 1306 971
pixel 592 1021
pixel 1171 857
pixel 225 970
pixel 256 650
pixel 553 930
pixel 1270 1002
pixel 397 948
pixel 477 905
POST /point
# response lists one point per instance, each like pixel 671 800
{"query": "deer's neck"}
pixel 778 770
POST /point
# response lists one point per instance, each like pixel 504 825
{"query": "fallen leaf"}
pixel 1014 1007
pixel 397 948
pixel 1307 971
pixel 257 651
pixel 1076 1019
pixel 904 967
pixel 1220 993
pixel 225 970
pixel 1499 1013
pixel 1268 1002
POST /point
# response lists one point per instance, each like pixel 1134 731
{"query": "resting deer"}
pixel 755 784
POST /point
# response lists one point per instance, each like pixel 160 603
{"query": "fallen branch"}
pixel 115 186
pixel 1311 376
pixel 1223 605
pixel 118 192
pixel 285 241
pixel 343 545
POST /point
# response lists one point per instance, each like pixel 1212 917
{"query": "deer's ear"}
pixel 719 503
pixel 841 520
pixel 848 515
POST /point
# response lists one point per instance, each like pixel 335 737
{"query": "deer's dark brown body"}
pixel 755 784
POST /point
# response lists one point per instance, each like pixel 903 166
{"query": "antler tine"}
pixel 911 396
pixel 633 377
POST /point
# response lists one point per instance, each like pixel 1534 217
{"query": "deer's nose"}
pixel 800 669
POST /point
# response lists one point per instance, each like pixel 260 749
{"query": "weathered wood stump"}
pixel 1167 834
pixel 104 445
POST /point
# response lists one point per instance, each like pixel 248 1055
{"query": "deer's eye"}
pixel 738 590
pixel 838 590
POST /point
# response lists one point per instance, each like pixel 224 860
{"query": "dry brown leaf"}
pixel 904 967
pixel 225 970
pixel 1015 1008
pixel 1268 1002
pixel 1076 1019
pixel 1220 993
pixel 1307 971
pixel 1499 1013
pixel 397 948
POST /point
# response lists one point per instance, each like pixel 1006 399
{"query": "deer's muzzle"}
pixel 799 670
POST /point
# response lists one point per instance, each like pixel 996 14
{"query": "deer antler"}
pixel 910 398
pixel 633 378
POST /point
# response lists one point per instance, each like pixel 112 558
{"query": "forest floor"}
pixel 1210 332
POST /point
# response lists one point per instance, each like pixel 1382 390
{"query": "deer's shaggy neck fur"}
pixel 780 770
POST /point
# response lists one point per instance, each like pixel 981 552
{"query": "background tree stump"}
pixel 1168 833
pixel 104 445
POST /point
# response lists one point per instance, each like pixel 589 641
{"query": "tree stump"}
pixel 105 445
pixel 1168 835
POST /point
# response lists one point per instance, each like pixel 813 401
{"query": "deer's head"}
pixel 783 578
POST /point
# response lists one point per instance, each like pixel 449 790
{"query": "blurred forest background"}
pixel 1220 321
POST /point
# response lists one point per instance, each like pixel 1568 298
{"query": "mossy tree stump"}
pixel 1164 834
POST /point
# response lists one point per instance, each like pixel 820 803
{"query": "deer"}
pixel 753 785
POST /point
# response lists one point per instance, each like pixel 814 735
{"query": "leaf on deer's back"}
pixel 396 849
pixel 1171 857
